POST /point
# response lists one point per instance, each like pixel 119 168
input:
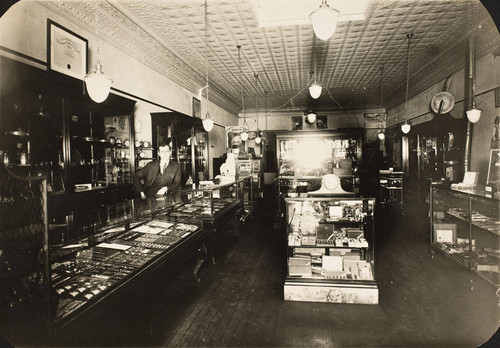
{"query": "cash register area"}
pixel 424 300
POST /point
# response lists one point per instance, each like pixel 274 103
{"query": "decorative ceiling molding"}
pixel 169 37
pixel 120 29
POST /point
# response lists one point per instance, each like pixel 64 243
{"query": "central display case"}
pixel 330 251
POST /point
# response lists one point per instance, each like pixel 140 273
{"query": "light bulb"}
pixel 98 84
pixel 315 90
pixel 473 115
pixel 244 136
pixel 381 135
pixel 324 21
pixel 311 117
pixel 208 124
pixel 405 127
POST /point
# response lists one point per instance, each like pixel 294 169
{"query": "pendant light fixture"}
pixel 244 134
pixel 258 139
pixel 406 126
pixel 315 88
pixel 473 114
pixel 311 117
pixel 98 84
pixel 324 21
pixel 208 123
pixel 380 133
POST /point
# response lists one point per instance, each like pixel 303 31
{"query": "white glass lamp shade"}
pixel 381 135
pixel 315 90
pixel 311 117
pixel 405 127
pixel 244 136
pixel 208 124
pixel 473 115
pixel 324 21
pixel 258 139
pixel 98 84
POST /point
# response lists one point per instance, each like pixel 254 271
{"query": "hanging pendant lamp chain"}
pixel 98 60
pixel 241 86
pixel 381 87
pixel 206 57
pixel 409 36
pixel 256 102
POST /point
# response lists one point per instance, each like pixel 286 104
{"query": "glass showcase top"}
pixel 466 227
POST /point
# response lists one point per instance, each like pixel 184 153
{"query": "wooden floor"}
pixel 425 300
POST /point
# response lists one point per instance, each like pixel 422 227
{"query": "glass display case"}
pixel 95 160
pixel 465 225
pixel 189 142
pixel 121 252
pixel 330 250
pixel 24 282
pixel 315 154
pixel 436 149
pixel 249 197
pixel 100 146
pixel 216 200
pixel 303 159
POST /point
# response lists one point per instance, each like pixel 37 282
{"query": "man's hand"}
pixel 143 196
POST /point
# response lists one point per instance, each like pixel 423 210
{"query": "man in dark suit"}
pixel 158 177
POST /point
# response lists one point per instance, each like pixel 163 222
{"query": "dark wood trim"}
pixel 22 55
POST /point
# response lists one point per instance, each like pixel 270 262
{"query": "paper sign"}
pixel 444 236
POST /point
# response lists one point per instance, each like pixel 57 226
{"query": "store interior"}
pixel 338 185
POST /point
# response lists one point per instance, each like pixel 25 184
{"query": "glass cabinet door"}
pixel 485 235
pixel 113 150
pixel 184 150
pixel 188 140
pixel 450 224
pixel 201 154
pixel 99 146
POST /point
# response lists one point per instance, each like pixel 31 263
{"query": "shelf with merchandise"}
pixel 465 226
pixel 330 248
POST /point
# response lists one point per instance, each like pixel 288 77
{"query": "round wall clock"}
pixel 447 99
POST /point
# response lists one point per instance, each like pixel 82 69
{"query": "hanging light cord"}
pixel 241 86
pixel 256 102
pixel 265 116
pixel 409 36
pixel 206 56
pixel 381 78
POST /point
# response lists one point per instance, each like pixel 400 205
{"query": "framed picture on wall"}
pixel 67 51
pixel 196 107
pixel 494 168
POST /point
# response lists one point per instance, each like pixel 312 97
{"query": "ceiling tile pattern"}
pixel 180 40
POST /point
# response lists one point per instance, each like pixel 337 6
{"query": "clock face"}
pixel 331 181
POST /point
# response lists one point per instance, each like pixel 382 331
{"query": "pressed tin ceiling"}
pixel 171 36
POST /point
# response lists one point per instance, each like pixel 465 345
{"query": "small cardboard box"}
pixel 445 233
